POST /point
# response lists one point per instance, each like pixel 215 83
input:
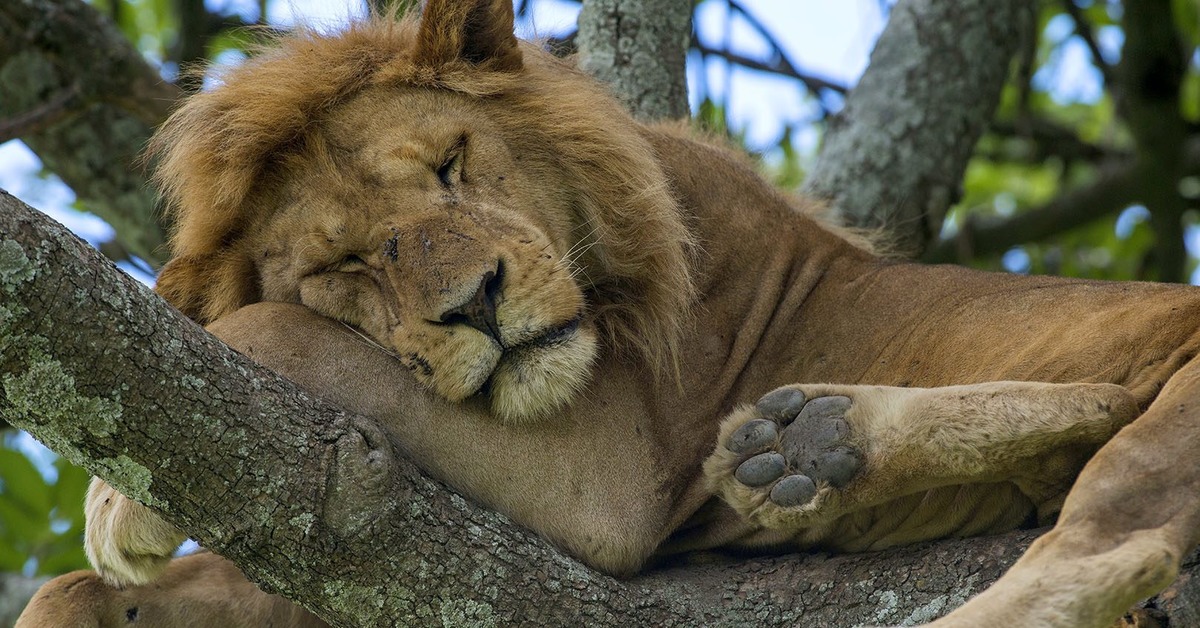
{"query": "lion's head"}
pixel 474 205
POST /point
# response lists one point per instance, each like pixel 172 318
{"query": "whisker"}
pixel 369 340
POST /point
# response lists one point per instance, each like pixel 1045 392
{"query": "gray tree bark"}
pixel 314 503
pixel 86 102
pixel 639 48
pixel 894 157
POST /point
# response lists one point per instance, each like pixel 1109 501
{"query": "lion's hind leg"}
pixel 805 455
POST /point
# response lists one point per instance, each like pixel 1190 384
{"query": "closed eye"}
pixel 451 170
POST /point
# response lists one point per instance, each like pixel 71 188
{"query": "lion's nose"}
pixel 479 311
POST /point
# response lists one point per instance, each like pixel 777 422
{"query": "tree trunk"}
pixel 895 156
pixel 313 503
pixel 639 48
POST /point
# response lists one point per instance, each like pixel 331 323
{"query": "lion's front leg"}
pixel 805 455
pixel 126 542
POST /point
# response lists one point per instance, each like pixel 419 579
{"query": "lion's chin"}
pixel 533 380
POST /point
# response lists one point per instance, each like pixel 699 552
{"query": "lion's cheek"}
pixel 455 363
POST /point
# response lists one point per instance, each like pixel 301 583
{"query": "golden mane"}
pixel 220 144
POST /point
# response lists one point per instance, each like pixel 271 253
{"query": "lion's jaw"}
pixel 427 238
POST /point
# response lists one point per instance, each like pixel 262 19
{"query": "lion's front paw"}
pixel 782 460
pixel 127 543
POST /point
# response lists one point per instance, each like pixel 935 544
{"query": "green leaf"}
pixel 61 558
pixel 22 484
pixel 19 528
pixel 11 559
pixel 68 492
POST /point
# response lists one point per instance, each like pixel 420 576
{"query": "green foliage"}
pixel 1048 142
pixel 152 25
pixel 41 521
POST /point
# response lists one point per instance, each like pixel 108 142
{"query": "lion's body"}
pixel 593 302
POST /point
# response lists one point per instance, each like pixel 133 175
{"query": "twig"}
pixel 813 83
pixel 783 65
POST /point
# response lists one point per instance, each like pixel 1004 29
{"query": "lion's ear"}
pixel 479 32
pixel 207 287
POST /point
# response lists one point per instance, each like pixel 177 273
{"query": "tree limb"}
pixel 15 592
pixel 41 116
pixel 813 83
pixel 1150 75
pixel 639 48
pixel 895 155
pixel 1053 139
pixel 1113 189
pixel 64 51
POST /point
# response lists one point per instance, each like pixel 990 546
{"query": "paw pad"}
pixel 761 469
pixel 753 436
pixel 795 446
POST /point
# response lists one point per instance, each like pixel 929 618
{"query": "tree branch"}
pixel 1051 138
pixel 813 83
pixel 896 154
pixel 41 116
pixel 1113 189
pixel 54 51
pixel 639 48
pixel 1153 64
pixel 781 63
pixel 15 592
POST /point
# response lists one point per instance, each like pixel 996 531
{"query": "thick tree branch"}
pixel 419 554
pixel 896 154
pixel 639 48
pixel 1150 75
pixel 41 116
pixel 86 102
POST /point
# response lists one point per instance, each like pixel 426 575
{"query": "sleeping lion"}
pixel 680 357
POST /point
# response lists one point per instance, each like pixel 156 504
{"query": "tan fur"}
pixel 202 589
pixel 385 176
pixel 129 545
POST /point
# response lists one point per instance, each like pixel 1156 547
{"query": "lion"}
pixel 663 353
